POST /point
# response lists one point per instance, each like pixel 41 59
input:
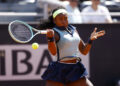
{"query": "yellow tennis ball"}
pixel 35 46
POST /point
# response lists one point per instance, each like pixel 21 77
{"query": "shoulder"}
pixel 86 9
pixel 103 8
pixel 56 28
pixel 72 27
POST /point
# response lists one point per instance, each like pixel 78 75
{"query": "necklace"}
pixel 68 31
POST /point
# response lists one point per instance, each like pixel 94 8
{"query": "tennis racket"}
pixel 22 32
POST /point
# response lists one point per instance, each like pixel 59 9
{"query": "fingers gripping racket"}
pixel 22 32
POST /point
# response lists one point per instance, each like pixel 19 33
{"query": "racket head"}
pixel 20 31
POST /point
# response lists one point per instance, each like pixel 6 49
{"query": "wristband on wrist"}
pixel 51 39
pixel 90 41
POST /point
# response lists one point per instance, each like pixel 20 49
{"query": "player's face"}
pixel 74 3
pixel 97 2
pixel 61 20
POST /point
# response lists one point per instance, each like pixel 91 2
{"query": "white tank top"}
pixel 68 43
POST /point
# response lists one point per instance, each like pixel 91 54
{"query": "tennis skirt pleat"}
pixel 64 73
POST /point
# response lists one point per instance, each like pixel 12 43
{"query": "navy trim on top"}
pixel 58 35
pixel 63 28
pixel 70 28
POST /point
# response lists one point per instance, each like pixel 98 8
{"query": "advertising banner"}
pixel 21 62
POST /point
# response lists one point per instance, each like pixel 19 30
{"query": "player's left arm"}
pixel 85 48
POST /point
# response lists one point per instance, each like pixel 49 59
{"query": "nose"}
pixel 63 22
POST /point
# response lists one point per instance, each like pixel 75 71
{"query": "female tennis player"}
pixel 65 42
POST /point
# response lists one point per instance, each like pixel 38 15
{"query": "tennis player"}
pixel 65 42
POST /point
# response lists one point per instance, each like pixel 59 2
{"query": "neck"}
pixel 61 27
pixel 72 6
pixel 94 6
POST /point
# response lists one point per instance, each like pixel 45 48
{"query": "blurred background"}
pixel 35 10
pixel 20 65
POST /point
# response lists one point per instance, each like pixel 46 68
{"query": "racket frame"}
pixel 31 30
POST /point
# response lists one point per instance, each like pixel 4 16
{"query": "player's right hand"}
pixel 50 33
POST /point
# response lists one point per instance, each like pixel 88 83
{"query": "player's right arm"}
pixel 51 42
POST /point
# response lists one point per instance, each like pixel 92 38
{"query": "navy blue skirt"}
pixel 64 73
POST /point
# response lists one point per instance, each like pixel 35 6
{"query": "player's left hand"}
pixel 95 35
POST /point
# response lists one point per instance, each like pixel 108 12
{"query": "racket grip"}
pixel 43 32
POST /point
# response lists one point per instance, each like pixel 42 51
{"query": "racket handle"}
pixel 43 31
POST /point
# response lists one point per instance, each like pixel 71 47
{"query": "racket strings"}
pixel 21 32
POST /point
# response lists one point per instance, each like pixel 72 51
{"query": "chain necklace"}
pixel 68 31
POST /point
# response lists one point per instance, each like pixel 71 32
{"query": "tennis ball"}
pixel 35 46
